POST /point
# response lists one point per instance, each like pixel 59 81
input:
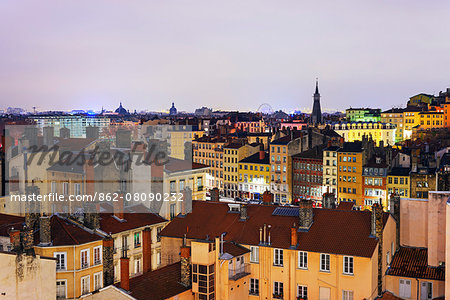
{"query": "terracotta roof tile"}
pixel 64 233
pixel 109 224
pixel 333 231
pixel 159 284
pixel 9 221
pixel 413 262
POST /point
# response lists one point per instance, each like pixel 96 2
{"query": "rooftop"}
pixel 333 231
pixel 159 284
pixel 413 263
pixel 399 171
pixel 254 159
pixel 313 153
pixel 351 147
pixel 66 233
pixel 7 222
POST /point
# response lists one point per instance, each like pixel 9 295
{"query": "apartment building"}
pixel 398 181
pixel 380 132
pixel 394 116
pixel 363 114
pixel 209 151
pixel 431 119
pixel 254 175
pixel 374 181
pixel 410 120
pixel 271 252
pixel 307 177
pixel 78 253
pixel 137 235
pixel 351 159
pixel 179 135
pixel 330 169
pixel 233 153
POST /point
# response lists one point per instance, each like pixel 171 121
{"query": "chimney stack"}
pixel 269 242
pixel 377 231
pixel 305 214
pixel 118 207
pixel 261 152
pixel 48 133
pixel 64 133
pixel 185 265
pixel 215 194
pixel 123 138
pixel 294 237
pixel 147 249
pixel 243 212
pixel 125 271
pixel 394 209
pixel 92 132
pixel 45 231
pixel 108 261
pixel 14 237
pixel 27 238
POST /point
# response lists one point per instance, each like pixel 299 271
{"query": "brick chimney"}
pixel 14 238
pixel 108 261
pixel 261 152
pixel 147 249
pixel 125 272
pixel 394 209
pixel 294 237
pixel 243 212
pixel 27 238
pixel 118 207
pixel 215 194
pixel 185 254
pixel 377 231
pixel 45 231
pixel 267 198
pixel 305 214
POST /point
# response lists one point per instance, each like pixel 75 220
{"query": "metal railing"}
pixel 239 271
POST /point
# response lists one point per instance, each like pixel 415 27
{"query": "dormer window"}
pixel 233 207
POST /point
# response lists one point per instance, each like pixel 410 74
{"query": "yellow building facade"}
pixel 254 175
pixel 349 175
pixel 74 278
pixel 232 154
pixel 380 132
pixel 394 116
pixel 431 119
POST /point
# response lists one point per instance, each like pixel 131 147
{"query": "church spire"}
pixel 316 115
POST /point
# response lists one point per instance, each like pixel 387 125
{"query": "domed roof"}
pixel 121 110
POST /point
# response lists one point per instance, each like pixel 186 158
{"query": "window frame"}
pixel 348 265
pixel 57 260
pixel 278 256
pixel 302 260
pixel 253 250
pixel 327 257
pixel 87 258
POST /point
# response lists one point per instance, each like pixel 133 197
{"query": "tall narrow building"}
pixel 316 115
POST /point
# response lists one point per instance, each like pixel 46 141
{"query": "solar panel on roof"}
pixel 286 211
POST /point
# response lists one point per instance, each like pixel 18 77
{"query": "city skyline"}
pixel 226 56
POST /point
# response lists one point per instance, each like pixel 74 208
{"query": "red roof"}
pixel 7 222
pixel 413 262
pixel 389 296
pixel 346 205
pixel 65 233
pixel 160 284
pixel 110 224
pixel 333 231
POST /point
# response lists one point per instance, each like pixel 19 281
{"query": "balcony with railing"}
pixel 238 272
